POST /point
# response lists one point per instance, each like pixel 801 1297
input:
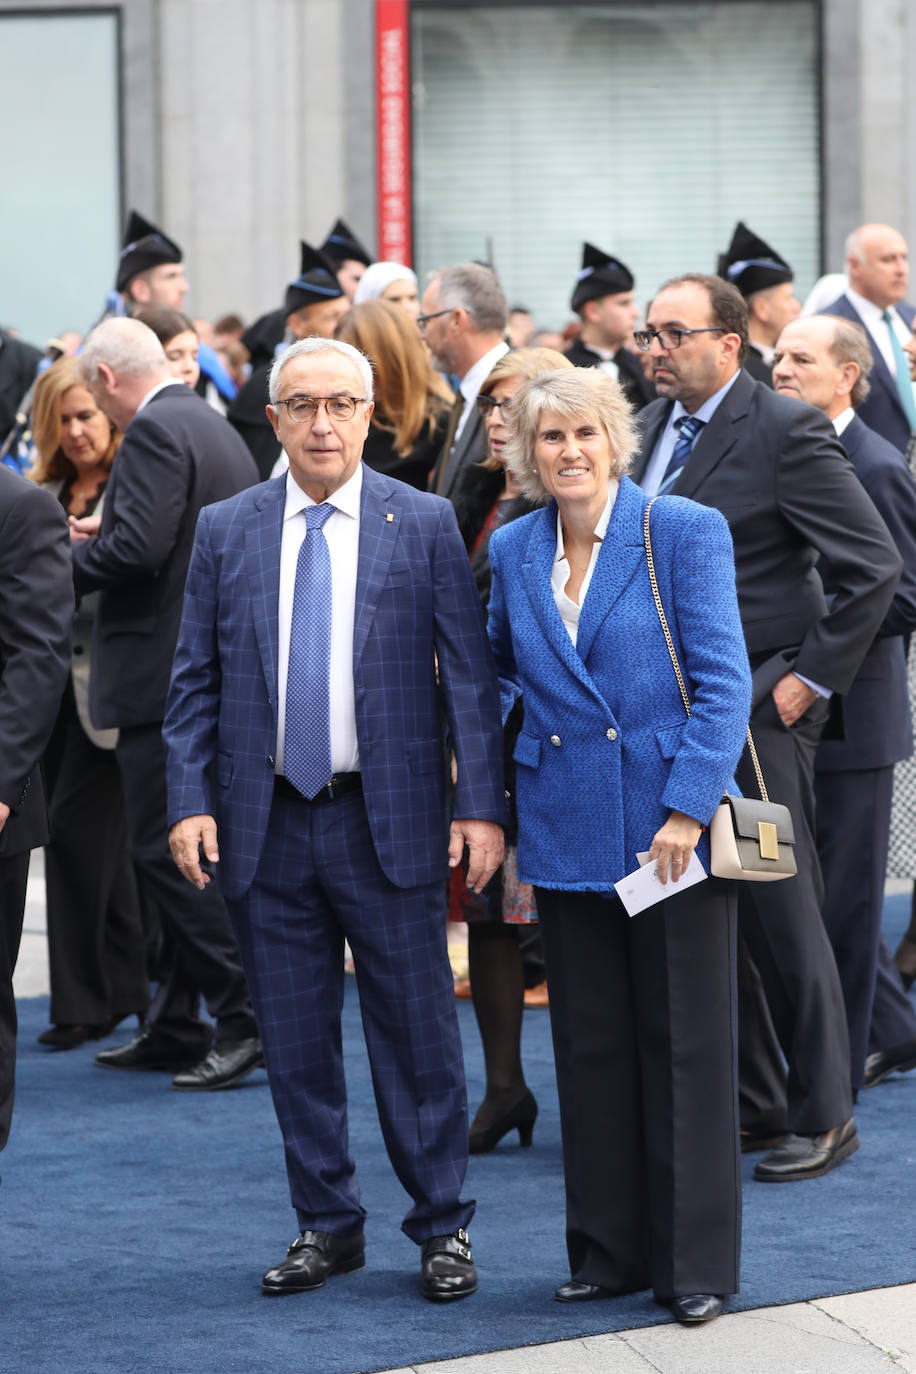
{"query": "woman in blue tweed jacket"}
pixel 643 1010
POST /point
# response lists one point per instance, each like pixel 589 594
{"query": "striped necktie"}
pixel 307 737
pixel 901 363
pixel 688 427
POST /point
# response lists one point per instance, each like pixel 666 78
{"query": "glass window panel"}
pixel 60 171
pixel 647 129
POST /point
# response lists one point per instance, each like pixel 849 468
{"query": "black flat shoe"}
pixel 66 1037
pixel 695 1308
pixel 227 1064
pixel 574 1291
pixel 147 1051
pixel 898 1059
pixel 808 1156
pixel 446 1269
pixel 521 1117
pixel 310 1261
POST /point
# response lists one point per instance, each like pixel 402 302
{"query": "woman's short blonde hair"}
pixel 519 362
pixel 570 393
pixel 50 390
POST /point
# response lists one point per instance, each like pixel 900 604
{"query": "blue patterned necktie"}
pixel 307 740
pixel 688 427
pixel 901 363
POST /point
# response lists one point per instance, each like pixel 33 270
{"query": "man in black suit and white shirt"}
pixel 776 471
pixel 177 455
pixel 826 361
pixel 878 271
pixel 464 313
pixel 36 612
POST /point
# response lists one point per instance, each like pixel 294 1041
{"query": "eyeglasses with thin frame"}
pixel 486 405
pixel 301 409
pixel 671 338
pixel 423 320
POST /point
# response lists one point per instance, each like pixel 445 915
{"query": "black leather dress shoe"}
pixel 446 1268
pixel 228 1062
pixel 310 1261
pixel 898 1059
pixel 574 1291
pixel 146 1051
pixel 808 1156
pixel 696 1307
pixel 752 1141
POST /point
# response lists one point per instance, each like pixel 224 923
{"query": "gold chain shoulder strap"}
pixel 673 652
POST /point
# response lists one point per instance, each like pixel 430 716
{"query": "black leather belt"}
pixel 339 786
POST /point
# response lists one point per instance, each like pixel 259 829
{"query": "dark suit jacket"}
pixel 778 473
pixel 877 710
pixel 883 409
pixel 418 618
pixel 754 364
pixel 177 455
pixel 638 390
pixel 36 612
pixel 18 364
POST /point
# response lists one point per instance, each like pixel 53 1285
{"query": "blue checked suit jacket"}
pixel 416 604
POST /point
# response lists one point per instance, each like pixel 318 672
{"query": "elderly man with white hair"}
pixel 878 272
pixel 177 456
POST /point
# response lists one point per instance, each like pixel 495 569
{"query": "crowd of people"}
pixel 389 608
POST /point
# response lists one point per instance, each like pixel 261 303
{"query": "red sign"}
pixel 392 85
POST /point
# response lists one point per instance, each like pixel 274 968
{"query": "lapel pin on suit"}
pixel 389 518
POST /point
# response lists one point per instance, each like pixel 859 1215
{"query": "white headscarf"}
pixel 379 277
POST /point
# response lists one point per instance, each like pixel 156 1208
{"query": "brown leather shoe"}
pixel 311 1259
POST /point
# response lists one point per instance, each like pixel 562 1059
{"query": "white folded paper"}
pixel 642 888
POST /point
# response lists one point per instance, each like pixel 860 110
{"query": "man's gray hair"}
pixel 850 344
pixel 128 347
pixel 477 290
pixel 315 345
pixel 854 247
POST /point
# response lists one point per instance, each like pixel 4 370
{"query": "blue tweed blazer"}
pixel 606 751
pixel 416 605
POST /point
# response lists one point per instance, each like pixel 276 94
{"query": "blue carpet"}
pixel 135 1223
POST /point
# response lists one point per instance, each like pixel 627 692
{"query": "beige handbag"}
pixel 748 839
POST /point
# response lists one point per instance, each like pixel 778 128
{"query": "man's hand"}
pixel 486 850
pixel 185 840
pixel 792 698
pixel 673 845
pixel 4 812
pixel 85 528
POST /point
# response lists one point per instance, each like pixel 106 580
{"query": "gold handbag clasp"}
pixel 768 840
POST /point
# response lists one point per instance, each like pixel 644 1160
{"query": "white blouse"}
pixel 559 576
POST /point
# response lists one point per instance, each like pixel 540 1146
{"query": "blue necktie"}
pixel 688 427
pixel 904 385
pixel 307 740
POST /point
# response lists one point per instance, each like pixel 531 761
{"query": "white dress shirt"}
pixel 844 418
pixel 154 391
pixel 872 316
pixel 559 575
pixel 341 530
pixel 474 379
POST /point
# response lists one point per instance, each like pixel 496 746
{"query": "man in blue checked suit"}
pixel 330 619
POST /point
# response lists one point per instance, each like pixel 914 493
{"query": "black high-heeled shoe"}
pixel 521 1117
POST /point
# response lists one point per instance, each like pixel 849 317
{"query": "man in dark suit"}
pixel 330 617
pixel 36 611
pixel 826 361
pixel 878 271
pixel 765 281
pixel 177 456
pixel 774 468
pixel 18 365
pixel 464 313
pixel 604 301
